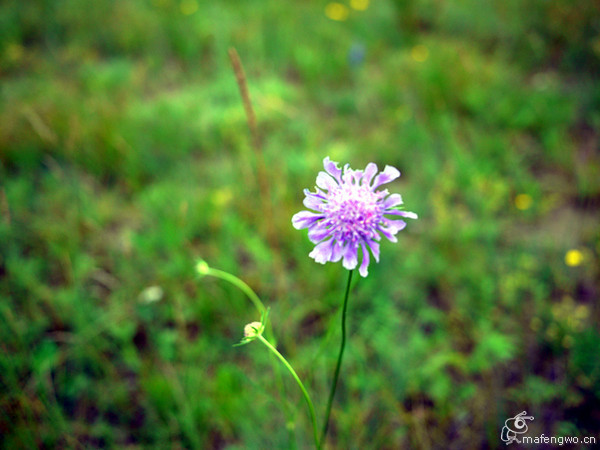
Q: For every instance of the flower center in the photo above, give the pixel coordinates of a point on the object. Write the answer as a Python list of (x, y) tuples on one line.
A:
[(353, 211)]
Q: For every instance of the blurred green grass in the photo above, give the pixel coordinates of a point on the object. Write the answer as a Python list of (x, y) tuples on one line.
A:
[(125, 155)]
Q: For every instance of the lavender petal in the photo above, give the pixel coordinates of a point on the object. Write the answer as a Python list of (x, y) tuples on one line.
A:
[(364, 267), (318, 193), (392, 200), (394, 225), (322, 252), (387, 233), (374, 246), (324, 181), (350, 257), (318, 232), (348, 174), (389, 174), (313, 201), (305, 219), (332, 168), (397, 212), (338, 251), (369, 173)]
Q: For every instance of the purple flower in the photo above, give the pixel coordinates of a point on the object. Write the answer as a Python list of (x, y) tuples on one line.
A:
[(350, 214)]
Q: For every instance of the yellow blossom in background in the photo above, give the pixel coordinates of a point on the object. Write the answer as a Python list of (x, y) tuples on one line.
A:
[(222, 197), (523, 201), (337, 11), (419, 53), (359, 5), (188, 7), (573, 258)]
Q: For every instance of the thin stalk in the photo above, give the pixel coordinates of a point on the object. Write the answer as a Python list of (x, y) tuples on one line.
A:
[(264, 206), (311, 408), (240, 285), (240, 76), (339, 362)]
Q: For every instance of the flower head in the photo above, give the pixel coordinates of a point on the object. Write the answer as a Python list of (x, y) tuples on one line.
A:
[(350, 214)]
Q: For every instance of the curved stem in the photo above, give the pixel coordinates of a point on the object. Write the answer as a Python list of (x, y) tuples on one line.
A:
[(311, 408), (339, 362), (240, 285)]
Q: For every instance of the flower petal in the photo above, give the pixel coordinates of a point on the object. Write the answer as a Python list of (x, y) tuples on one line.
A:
[(392, 200), (350, 257), (313, 201), (408, 215), (369, 173), (318, 232), (322, 252), (332, 168), (374, 246), (389, 174), (364, 267), (394, 225), (338, 250), (348, 174), (397, 212), (387, 233), (324, 181), (305, 219), (318, 193)]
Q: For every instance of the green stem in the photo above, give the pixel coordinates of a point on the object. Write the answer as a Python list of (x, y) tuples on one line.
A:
[(311, 408), (269, 330), (339, 362), (239, 284)]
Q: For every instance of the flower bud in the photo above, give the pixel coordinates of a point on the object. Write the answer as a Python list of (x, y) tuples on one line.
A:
[(202, 267), (253, 329)]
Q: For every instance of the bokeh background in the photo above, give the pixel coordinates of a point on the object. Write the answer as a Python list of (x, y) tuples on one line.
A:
[(125, 156)]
